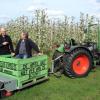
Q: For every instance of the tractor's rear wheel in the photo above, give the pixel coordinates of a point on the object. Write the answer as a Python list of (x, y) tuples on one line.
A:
[(78, 63)]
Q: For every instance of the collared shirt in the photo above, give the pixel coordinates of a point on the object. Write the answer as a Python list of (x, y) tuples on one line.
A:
[(22, 49)]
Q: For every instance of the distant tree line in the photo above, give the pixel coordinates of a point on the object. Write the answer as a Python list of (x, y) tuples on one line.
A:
[(47, 32)]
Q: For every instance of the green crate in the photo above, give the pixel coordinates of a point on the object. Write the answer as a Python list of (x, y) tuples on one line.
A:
[(25, 71)]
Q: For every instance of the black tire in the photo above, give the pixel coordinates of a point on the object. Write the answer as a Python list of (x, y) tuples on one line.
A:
[(70, 58), (57, 63), (2, 94)]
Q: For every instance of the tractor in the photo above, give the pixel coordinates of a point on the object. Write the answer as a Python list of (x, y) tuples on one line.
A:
[(77, 59)]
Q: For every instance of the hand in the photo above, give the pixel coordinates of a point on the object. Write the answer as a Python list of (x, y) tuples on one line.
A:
[(5, 43), (40, 54), (13, 54)]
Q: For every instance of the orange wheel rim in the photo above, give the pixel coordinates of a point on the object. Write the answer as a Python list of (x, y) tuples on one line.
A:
[(81, 64)]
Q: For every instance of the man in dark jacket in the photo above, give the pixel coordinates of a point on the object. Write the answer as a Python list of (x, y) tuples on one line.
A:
[(25, 46), (6, 46)]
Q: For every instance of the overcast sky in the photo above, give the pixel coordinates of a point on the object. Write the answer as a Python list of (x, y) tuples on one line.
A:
[(55, 8)]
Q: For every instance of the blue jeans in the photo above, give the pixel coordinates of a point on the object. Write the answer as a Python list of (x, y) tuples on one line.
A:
[(22, 56)]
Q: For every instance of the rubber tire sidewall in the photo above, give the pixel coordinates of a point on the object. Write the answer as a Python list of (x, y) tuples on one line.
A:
[(72, 57)]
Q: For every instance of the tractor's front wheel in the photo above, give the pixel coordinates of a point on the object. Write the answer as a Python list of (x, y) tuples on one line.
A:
[(78, 63)]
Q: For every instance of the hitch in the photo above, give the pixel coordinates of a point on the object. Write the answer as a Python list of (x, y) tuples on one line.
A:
[(52, 67)]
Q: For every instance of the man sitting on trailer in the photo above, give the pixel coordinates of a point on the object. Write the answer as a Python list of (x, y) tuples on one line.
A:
[(6, 46), (24, 47)]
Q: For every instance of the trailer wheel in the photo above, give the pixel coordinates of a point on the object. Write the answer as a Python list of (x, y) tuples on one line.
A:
[(57, 63), (78, 63), (8, 93), (4, 93)]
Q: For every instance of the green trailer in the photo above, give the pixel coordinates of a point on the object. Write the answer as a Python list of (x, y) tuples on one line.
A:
[(16, 74)]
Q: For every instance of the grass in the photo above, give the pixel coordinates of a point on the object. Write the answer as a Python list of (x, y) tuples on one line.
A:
[(63, 88)]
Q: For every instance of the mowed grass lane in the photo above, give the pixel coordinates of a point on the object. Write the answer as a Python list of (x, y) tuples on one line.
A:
[(63, 88)]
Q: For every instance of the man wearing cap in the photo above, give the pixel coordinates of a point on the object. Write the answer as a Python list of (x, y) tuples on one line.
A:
[(25, 46), (6, 46)]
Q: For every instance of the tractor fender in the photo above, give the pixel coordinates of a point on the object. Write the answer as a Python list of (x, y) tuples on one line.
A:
[(60, 48), (78, 47)]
